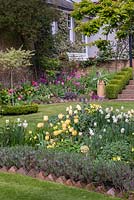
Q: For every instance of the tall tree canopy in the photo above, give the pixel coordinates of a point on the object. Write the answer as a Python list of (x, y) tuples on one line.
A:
[(110, 14), (30, 20)]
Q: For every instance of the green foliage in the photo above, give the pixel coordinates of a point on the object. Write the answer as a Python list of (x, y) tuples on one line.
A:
[(24, 17), (12, 58), (119, 150), (13, 133), (112, 91), (31, 22), (50, 63), (19, 110), (108, 14), (119, 81), (62, 42)]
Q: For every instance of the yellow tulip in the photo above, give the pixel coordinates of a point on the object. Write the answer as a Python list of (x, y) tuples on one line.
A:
[(74, 133), (40, 125), (35, 137), (30, 132), (70, 112), (45, 118), (60, 116), (64, 125), (78, 107), (71, 129), (47, 137), (64, 128), (67, 121), (76, 121), (84, 149), (55, 133)]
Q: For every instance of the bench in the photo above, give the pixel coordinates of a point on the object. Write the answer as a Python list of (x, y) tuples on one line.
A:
[(77, 56)]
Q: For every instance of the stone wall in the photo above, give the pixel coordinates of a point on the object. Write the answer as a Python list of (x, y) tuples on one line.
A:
[(112, 66), (19, 76)]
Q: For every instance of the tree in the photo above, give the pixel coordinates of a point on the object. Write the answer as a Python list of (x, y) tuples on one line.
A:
[(12, 59), (110, 15), (31, 21)]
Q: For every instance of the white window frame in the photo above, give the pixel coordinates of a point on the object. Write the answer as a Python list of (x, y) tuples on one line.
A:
[(54, 26)]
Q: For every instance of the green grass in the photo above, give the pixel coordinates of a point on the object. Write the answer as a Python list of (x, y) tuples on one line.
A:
[(52, 109), (17, 187)]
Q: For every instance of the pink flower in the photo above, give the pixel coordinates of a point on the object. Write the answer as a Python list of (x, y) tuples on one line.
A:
[(10, 91), (68, 78), (76, 83), (34, 83), (19, 97)]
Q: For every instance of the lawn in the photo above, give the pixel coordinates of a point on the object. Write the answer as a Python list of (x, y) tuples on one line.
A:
[(17, 187), (52, 109)]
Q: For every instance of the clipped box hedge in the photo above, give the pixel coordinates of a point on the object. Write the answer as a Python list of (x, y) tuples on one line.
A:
[(119, 81), (19, 110), (112, 91)]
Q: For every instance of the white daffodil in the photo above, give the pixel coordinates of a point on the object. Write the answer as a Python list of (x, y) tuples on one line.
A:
[(78, 107), (122, 130), (95, 124), (104, 130), (7, 121), (25, 124), (107, 116)]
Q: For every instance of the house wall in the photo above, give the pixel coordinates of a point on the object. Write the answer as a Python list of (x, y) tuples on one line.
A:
[(91, 51)]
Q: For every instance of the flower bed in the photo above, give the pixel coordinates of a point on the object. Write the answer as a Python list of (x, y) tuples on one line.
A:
[(66, 86), (87, 144)]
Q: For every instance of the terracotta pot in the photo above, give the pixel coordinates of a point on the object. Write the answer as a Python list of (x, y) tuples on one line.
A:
[(101, 88)]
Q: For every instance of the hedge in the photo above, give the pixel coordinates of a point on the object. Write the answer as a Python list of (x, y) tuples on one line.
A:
[(19, 110), (119, 81)]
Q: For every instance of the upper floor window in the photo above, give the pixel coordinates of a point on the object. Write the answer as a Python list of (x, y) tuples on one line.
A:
[(69, 21)]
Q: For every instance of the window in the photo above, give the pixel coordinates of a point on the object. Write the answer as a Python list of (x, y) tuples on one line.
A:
[(69, 21), (54, 27)]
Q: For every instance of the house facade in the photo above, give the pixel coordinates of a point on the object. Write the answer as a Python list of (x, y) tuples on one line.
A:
[(88, 51)]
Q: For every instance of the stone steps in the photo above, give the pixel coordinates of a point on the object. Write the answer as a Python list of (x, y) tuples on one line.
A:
[(128, 93)]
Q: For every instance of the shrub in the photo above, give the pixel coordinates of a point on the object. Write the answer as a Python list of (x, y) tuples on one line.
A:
[(122, 78), (71, 165), (19, 110), (112, 91), (117, 82), (114, 174)]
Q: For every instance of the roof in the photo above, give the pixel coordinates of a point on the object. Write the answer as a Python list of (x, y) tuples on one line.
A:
[(62, 4)]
